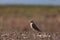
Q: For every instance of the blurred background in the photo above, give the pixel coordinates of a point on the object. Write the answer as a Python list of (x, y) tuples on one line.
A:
[(16, 14)]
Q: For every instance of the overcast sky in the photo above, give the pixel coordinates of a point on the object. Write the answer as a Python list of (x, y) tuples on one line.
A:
[(54, 2)]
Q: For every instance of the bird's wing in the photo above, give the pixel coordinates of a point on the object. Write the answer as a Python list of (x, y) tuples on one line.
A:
[(36, 28)]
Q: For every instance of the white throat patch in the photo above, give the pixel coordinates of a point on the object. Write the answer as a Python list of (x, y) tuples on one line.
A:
[(31, 25)]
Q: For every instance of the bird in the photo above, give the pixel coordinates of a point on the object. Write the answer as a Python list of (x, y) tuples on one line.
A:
[(39, 32), (34, 26)]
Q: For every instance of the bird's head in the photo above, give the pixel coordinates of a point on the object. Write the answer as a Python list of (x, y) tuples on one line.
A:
[(31, 21)]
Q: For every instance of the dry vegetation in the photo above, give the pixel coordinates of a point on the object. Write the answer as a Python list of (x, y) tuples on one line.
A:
[(14, 21)]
